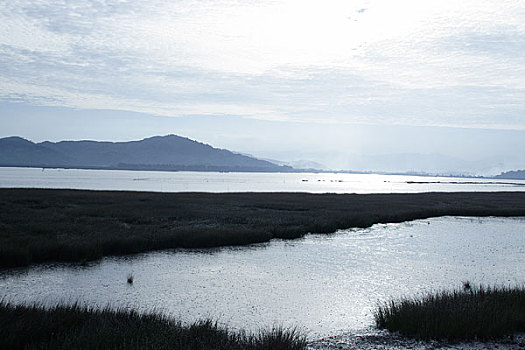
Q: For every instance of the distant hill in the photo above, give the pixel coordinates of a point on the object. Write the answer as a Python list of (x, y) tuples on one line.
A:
[(514, 175), (156, 153)]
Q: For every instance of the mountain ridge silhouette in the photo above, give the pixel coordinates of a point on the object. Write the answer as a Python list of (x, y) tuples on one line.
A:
[(170, 152)]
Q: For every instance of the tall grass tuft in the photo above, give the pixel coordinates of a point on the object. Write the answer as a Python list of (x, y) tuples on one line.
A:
[(78, 327), (471, 313)]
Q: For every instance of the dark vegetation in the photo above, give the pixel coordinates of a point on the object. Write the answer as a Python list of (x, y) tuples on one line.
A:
[(75, 327), (38, 225), (472, 313)]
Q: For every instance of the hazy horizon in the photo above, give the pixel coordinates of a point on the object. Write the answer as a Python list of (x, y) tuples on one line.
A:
[(434, 87)]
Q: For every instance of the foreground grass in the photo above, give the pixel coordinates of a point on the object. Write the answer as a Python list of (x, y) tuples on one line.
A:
[(38, 225), (74, 327), (473, 313)]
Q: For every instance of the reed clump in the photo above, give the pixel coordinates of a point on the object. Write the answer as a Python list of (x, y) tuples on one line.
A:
[(78, 327), (470, 313)]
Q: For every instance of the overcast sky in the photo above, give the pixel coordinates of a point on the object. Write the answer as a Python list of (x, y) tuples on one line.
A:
[(378, 71)]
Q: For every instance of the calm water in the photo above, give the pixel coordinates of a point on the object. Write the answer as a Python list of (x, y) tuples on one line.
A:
[(244, 182), (326, 284)]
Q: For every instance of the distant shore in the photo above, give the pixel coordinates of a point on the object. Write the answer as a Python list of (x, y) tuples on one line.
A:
[(509, 175), (43, 225)]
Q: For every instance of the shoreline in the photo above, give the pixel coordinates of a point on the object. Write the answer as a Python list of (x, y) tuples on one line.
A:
[(82, 327), (53, 225), (281, 171), (373, 339), (62, 326)]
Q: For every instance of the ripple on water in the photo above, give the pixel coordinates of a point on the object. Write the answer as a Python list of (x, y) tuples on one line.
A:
[(326, 285)]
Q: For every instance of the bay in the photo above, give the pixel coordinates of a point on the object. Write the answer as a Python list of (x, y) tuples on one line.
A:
[(157, 181)]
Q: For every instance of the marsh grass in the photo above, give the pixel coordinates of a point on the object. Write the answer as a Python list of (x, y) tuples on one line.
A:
[(471, 313), (40, 225), (77, 327)]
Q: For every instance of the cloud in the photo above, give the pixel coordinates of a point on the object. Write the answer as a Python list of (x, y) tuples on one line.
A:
[(441, 63)]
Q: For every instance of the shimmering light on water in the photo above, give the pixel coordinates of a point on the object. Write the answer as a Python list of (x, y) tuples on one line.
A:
[(244, 182), (325, 284)]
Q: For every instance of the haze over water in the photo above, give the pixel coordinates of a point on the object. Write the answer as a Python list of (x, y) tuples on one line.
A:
[(401, 86), (433, 86), (245, 182)]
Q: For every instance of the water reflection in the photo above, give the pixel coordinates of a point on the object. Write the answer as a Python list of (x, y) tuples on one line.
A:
[(325, 284), (245, 182)]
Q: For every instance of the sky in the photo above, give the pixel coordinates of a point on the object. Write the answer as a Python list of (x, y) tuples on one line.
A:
[(389, 85)]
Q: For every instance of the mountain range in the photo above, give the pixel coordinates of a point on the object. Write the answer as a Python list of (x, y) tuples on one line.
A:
[(169, 152), (512, 175)]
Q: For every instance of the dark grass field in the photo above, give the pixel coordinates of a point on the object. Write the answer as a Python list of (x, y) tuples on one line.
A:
[(75, 327), (481, 313), (38, 225)]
